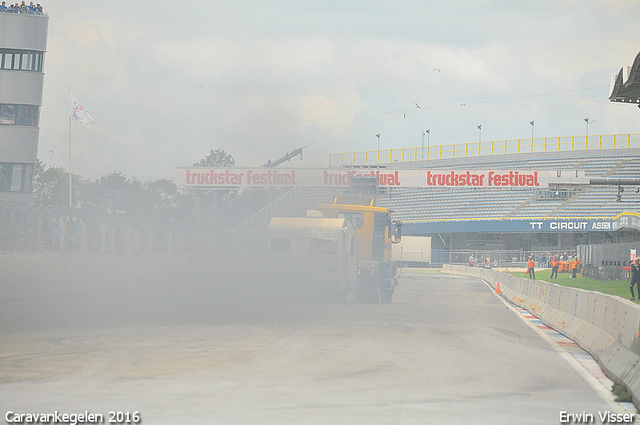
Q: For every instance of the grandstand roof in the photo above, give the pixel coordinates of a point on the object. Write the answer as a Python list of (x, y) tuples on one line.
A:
[(625, 86)]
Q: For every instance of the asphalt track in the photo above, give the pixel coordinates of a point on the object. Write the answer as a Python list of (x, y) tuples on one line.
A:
[(445, 351)]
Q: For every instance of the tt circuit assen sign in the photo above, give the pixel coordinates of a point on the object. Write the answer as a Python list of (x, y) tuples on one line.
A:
[(626, 220), (324, 177)]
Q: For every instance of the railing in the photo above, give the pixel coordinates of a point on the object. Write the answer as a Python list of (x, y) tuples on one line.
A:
[(266, 211), (23, 12), (498, 147)]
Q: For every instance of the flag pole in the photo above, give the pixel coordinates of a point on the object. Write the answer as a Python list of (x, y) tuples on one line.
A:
[(82, 115), (70, 190)]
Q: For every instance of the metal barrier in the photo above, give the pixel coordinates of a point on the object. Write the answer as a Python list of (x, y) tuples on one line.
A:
[(35, 229), (497, 147), (515, 258), (618, 254)]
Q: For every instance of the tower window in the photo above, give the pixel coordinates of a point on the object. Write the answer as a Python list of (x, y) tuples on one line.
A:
[(16, 177), (22, 60), (19, 115)]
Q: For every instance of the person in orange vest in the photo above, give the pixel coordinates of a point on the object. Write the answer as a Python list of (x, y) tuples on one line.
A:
[(555, 264), (574, 264), (531, 264)]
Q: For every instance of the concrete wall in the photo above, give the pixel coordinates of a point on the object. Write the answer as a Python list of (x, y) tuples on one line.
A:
[(606, 326), (20, 31)]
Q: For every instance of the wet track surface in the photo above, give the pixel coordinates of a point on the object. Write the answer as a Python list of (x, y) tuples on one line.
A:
[(446, 350)]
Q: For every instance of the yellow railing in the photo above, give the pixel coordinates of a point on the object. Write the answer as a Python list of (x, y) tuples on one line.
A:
[(498, 147)]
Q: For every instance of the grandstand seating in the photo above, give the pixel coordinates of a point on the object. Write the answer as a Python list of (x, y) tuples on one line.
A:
[(458, 203), (292, 203), (435, 204)]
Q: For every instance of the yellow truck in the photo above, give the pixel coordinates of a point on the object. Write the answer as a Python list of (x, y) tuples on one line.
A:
[(375, 234)]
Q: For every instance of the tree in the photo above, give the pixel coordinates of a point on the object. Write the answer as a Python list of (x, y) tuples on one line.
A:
[(168, 200), (51, 185), (215, 202), (217, 158), (112, 193), (152, 200), (115, 193)]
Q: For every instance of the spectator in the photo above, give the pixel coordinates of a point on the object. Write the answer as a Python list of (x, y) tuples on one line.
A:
[(531, 268), (31, 9), (487, 263), (471, 263)]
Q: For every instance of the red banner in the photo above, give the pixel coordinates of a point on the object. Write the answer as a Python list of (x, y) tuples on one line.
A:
[(332, 177)]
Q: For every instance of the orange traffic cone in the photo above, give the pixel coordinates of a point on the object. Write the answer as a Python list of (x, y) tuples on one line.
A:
[(498, 291)]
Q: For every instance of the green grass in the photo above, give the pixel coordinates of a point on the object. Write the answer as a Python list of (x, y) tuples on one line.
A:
[(622, 393), (612, 287)]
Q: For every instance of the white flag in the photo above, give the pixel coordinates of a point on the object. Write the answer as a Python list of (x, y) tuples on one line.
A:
[(78, 112)]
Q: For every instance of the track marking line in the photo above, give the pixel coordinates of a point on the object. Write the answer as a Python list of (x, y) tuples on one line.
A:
[(579, 359)]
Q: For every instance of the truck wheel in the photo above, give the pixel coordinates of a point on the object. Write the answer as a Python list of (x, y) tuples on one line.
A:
[(386, 295), (361, 294), (342, 297), (374, 294)]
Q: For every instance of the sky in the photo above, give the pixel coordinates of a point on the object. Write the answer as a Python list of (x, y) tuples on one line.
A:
[(168, 81)]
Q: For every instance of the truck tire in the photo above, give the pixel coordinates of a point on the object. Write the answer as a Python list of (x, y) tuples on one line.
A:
[(374, 293), (361, 294), (341, 297), (386, 295)]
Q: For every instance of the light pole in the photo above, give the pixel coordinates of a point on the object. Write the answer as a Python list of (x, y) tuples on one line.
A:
[(428, 133), (479, 133), (378, 136), (533, 124), (587, 125)]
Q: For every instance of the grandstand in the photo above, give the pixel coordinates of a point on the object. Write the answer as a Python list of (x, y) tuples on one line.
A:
[(414, 205), (452, 215)]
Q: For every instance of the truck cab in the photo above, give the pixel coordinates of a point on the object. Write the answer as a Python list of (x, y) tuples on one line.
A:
[(375, 233)]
